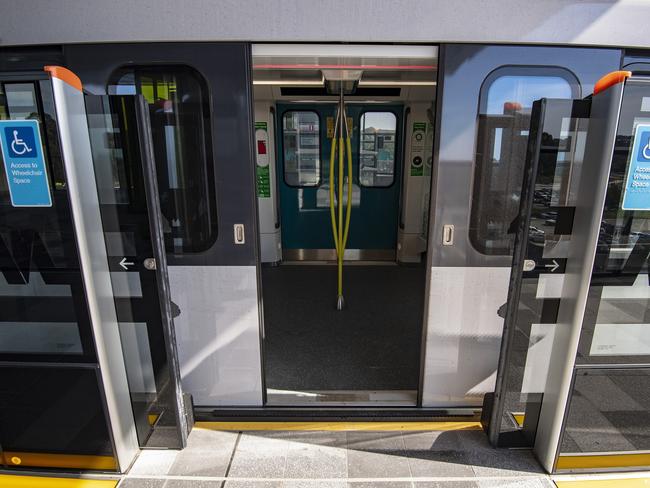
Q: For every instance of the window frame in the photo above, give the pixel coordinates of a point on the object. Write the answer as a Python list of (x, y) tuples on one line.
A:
[(395, 148), (520, 71), (320, 148)]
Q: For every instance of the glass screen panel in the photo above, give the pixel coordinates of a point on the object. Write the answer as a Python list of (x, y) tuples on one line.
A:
[(44, 314), (609, 412), (301, 148), (378, 132), (555, 156), (121, 172), (53, 417), (616, 327)]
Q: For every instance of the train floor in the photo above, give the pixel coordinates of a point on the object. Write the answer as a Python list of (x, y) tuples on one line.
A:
[(371, 345)]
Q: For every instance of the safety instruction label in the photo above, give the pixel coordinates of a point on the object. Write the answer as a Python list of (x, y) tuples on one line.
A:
[(263, 171), (331, 125), (636, 195), (22, 153)]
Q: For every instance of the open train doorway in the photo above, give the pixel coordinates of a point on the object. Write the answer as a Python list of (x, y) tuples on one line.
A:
[(344, 141)]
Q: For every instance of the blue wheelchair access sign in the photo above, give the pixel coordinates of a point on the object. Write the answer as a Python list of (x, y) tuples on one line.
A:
[(22, 153)]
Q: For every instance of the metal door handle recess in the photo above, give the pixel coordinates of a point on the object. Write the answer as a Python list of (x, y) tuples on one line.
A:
[(240, 237), (150, 264), (448, 235), (529, 264)]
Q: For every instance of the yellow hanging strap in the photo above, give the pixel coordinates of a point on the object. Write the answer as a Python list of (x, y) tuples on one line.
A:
[(335, 233), (341, 249), (348, 210), (340, 227)]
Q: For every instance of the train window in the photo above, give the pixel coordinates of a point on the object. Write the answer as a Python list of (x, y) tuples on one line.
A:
[(301, 148), (180, 125), (505, 102), (378, 132)]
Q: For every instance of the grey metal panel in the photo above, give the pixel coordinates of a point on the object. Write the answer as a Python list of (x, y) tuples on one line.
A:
[(218, 333), (582, 250), (553, 21), (226, 69), (462, 334), (84, 203), (456, 291)]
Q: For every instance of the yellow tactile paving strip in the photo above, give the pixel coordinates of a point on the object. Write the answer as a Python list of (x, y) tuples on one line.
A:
[(16, 481), (340, 426)]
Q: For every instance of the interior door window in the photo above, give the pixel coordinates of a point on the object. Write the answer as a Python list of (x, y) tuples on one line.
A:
[(301, 148), (378, 133)]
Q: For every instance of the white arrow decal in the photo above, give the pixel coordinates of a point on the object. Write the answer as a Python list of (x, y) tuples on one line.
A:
[(553, 266), (124, 263)]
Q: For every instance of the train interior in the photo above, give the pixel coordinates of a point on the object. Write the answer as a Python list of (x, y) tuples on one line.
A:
[(360, 344)]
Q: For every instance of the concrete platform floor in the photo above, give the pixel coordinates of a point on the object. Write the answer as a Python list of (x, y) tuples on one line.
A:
[(395, 459)]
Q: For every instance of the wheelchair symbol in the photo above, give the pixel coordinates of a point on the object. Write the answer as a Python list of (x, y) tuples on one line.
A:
[(646, 150), (20, 147)]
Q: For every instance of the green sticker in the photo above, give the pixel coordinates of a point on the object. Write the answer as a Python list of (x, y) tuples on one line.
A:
[(260, 125), (419, 126), (263, 182)]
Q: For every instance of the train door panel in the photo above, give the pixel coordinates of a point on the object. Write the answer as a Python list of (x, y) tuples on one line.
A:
[(482, 122), (304, 143), (200, 108)]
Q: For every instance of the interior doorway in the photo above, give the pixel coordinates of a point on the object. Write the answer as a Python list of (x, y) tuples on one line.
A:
[(368, 353)]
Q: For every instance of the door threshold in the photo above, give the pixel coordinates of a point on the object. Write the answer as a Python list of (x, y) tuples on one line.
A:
[(350, 255), (341, 398), (334, 263), (336, 414)]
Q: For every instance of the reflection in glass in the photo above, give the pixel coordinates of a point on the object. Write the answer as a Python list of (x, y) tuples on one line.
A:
[(54, 419), (377, 149), (503, 123), (608, 412), (301, 146)]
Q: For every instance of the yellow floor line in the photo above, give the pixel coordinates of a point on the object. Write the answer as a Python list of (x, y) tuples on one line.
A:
[(16, 481), (65, 461), (339, 426), (519, 418), (599, 461), (605, 483)]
